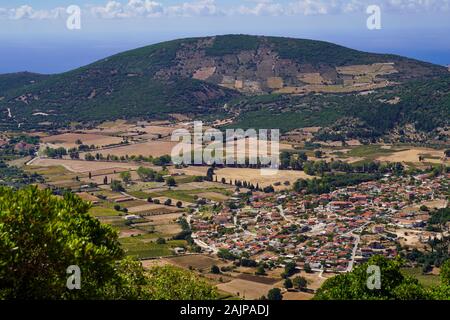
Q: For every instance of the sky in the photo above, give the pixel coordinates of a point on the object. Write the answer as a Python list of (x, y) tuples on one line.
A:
[(34, 35)]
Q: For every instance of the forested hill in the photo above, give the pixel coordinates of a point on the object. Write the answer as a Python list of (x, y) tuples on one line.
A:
[(204, 76)]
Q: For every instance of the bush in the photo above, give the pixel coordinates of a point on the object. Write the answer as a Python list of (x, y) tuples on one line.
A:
[(161, 241), (299, 283), (59, 232), (171, 182), (274, 294), (116, 186), (215, 269), (288, 283)]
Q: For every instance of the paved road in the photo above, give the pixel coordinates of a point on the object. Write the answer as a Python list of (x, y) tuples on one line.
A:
[(129, 195), (355, 248), (203, 245), (29, 163), (280, 207), (199, 242)]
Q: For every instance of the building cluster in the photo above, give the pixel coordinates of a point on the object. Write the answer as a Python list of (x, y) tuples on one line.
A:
[(330, 232)]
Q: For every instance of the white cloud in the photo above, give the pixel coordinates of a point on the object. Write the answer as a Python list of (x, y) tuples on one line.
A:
[(3, 13), (261, 8), (134, 8), (116, 9), (417, 5), (309, 7), (196, 8), (27, 12)]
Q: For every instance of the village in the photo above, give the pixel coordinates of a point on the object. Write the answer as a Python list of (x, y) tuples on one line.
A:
[(231, 225), (330, 232)]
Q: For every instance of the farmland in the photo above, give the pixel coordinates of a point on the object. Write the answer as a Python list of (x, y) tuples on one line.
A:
[(69, 140), (171, 214), (256, 176)]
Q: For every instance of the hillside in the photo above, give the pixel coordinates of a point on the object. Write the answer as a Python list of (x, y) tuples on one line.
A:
[(18, 80), (423, 106), (198, 76)]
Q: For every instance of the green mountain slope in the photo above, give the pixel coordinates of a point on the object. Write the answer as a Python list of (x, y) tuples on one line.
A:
[(18, 80), (424, 104), (199, 76)]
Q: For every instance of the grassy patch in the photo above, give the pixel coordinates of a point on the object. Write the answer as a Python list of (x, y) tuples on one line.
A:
[(144, 185), (187, 195), (141, 247), (427, 280), (103, 212), (138, 194), (371, 152), (184, 179)]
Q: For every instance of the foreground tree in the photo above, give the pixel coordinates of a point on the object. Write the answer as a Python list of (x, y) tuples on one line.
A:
[(42, 235), (116, 186), (354, 285), (274, 294), (125, 176), (300, 283), (288, 283)]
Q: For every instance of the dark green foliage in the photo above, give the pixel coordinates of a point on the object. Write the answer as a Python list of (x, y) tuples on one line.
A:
[(18, 80), (15, 177), (121, 86), (440, 217), (288, 283), (51, 234), (426, 104), (215, 269), (438, 255), (248, 263), (325, 53), (260, 271), (232, 44), (116, 186), (226, 254), (269, 189), (186, 232), (274, 294), (129, 85), (289, 269), (353, 286), (340, 174), (55, 153), (170, 181), (146, 174), (332, 181), (300, 283), (9, 151), (445, 273), (42, 235), (161, 241), (209, 174)]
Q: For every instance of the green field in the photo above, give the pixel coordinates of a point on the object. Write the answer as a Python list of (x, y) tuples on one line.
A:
[(186, 195), (371, 151), (143, 247), (103, 212), (427, 280)]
